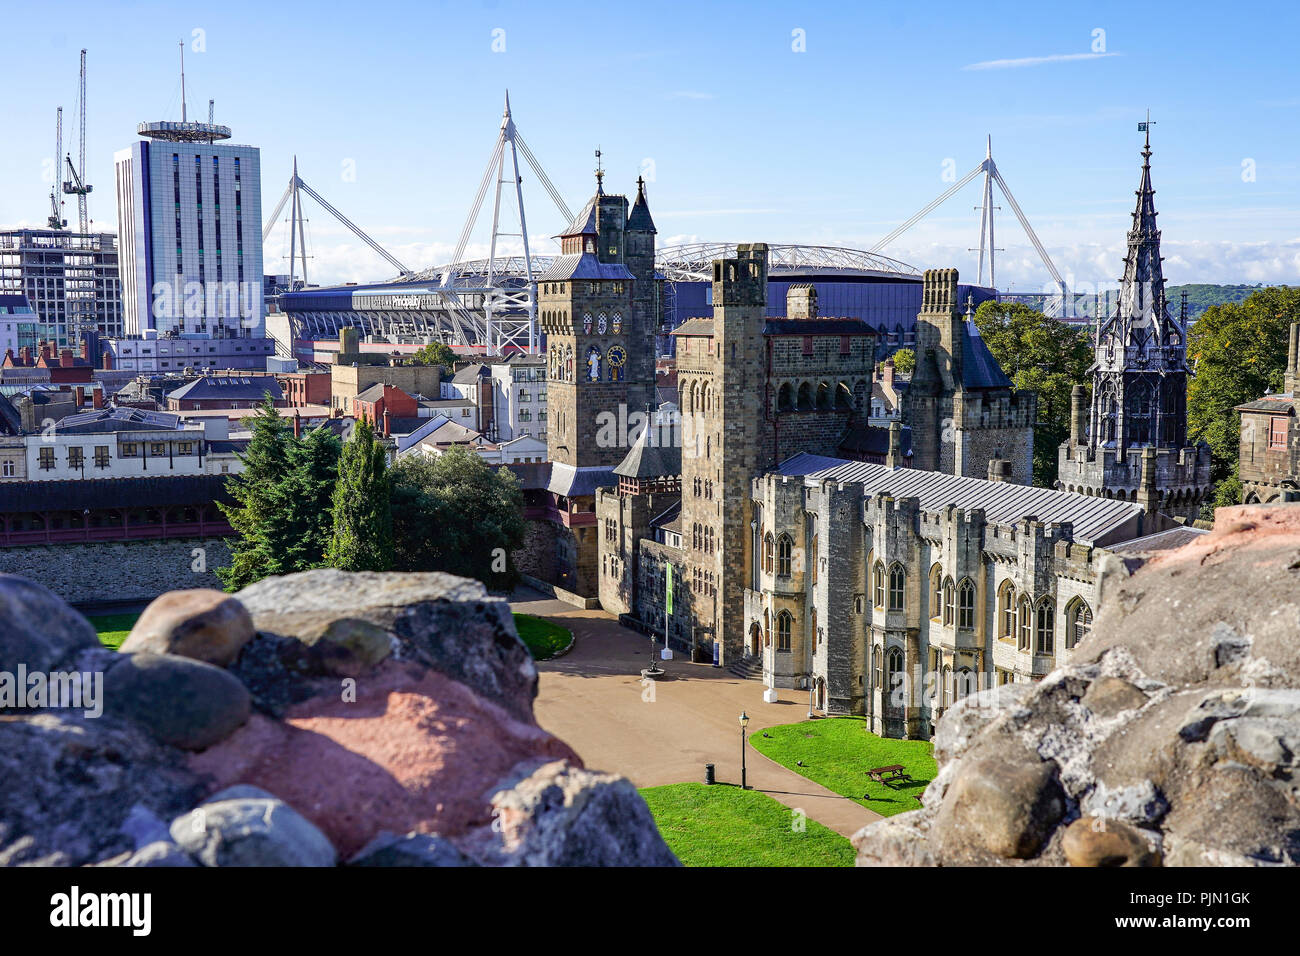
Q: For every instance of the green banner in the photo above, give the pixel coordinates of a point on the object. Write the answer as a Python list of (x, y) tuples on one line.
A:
[(668, 591)]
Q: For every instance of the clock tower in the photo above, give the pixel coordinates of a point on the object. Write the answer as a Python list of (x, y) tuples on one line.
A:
[(598, 308)]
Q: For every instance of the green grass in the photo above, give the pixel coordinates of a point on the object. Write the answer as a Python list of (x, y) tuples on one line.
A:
[(543, 638), (837, 752), (113, 628), (725, 826)]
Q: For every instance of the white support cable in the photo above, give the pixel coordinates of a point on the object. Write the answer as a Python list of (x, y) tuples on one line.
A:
[(1033, 237), (545, 180), (275, 215), (930, 207), (355, 229)]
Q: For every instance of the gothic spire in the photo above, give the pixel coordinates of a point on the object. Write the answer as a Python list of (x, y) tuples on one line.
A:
[(639, 219)]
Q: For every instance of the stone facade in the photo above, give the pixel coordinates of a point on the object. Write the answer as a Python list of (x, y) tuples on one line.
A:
[(1132, 443), (962, 409), (1270, 438), (119, 571), (880, 606)]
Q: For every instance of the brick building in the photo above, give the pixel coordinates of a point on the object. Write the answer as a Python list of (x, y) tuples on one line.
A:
[(1270, 438)]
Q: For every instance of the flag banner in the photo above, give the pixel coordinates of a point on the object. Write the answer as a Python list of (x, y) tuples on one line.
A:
[(668, 591)]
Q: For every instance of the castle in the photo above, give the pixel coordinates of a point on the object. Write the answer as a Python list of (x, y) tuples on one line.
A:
[(1131, 443)]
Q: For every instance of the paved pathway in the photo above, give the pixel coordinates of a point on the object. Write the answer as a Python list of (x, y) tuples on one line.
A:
[(593, 698)]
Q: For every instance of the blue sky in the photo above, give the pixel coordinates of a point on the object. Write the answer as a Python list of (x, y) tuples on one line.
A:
[(747, 138)]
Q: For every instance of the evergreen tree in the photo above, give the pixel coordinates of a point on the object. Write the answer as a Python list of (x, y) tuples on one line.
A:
[(309, 498), (257, 514), (363, 519)]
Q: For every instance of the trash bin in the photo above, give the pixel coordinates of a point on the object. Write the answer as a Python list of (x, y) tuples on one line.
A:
[(708, 774)]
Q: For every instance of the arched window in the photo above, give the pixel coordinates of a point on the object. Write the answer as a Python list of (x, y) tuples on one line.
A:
[(783, 623), (768, 547), (876, 667), (814, 559), (1006, 610), (812, 631), (897, 583), (936, 592), (949, 602), (767, 628), (945, 696), (1045, 627), (823, 395), (805, 396), (878, 585), (785, 398), (894, 669), (966, 604), (784, 545), (1078, 618), (1026, 624)]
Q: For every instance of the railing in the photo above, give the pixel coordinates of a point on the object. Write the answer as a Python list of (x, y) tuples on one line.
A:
[(133, 532)]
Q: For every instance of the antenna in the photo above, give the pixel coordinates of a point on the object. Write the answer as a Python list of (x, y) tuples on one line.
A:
[(182, 46)]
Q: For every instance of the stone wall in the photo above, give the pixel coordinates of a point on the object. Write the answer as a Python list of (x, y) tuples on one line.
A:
[(119, 570)]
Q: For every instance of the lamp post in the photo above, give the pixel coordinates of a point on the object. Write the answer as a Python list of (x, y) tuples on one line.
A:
[(744, 722)]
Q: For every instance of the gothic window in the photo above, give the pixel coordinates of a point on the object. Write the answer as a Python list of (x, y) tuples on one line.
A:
[(949, 602), (805, 396), (878, 585), (1139, 414), (897, 583), (936, 592), (814, 559), (894, 667), (784, 547), (1107, 412), (966, 604), (1024, 640), (812, 629), (783, 622), (843, 397), (1078, 622), (767, 628), (1045, 627), (768, 547), (823, 395), (784, 398), (1006, 610), (876, 667)]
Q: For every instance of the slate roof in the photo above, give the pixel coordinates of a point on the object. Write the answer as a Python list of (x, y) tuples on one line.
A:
[(470, 374), (104, 420), (1160, 541), (1004, 503), (670, 519), (831, 325), (1280, 404), (874, 440), (577, 482), (646, 460), (584, 224), (584, 265), (639, 219), (979, 369), (228, 388)]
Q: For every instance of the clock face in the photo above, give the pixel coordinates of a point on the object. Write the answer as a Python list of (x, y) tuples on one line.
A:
[(617, 355)]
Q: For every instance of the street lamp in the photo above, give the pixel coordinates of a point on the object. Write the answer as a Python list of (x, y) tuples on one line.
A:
[(744, 722)]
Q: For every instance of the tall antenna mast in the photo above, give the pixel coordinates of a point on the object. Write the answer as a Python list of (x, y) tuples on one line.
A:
[(182, 46)]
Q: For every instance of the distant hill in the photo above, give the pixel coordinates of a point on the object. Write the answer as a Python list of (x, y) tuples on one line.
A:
[(1200, 296)]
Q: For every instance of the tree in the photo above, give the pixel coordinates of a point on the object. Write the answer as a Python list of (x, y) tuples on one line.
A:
[(904, 361), (1042, 355), (363, 521), (309, 498), (435, 353), (454, 513), (282, 501), (257, 514), (1238, 352)]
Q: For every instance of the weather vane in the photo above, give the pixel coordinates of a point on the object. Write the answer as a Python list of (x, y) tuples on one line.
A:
[(600, 172)]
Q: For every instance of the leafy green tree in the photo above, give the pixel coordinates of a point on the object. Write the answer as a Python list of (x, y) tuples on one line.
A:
[(904, 361), (1042, 355), (363, 519), (257, 514), (1238, 352), (454, 513), (435, 353)]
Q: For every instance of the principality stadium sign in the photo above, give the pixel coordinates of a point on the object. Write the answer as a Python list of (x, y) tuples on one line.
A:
[(396, 301)]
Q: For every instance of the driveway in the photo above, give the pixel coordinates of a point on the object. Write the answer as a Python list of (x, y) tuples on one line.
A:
[(664, 732)]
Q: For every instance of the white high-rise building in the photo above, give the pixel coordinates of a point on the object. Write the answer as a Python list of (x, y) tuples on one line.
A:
[(189, 212)]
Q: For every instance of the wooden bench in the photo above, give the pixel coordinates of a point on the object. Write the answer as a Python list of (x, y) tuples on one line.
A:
[(894, 773)]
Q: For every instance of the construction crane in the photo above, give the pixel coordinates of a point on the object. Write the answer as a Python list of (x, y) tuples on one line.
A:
[(76, 185), (56, 220)]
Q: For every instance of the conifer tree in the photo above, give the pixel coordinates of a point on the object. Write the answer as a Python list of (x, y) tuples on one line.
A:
[(363, 519), (258, 514)]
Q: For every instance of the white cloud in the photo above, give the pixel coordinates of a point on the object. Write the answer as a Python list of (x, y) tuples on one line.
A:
[(1035, 61)]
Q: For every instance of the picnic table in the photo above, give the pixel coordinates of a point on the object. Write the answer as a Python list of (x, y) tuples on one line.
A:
[(894, 773)]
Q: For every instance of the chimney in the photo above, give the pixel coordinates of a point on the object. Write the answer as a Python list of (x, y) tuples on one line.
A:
[(1078, 414), (65, 358), (1148, 494), (387, 423), (999, 469), (894, 457), (97, 397), (297, 424), (27, 414), (887, 373), (801, 301), (47, 351), (1292, 379), (107, 360), (85, 349), (80, 393), (25, 353)]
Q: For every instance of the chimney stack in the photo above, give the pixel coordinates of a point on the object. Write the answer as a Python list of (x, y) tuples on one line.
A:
[(387, 423), (80, 393), (297, 424), (65, 358), (999, 469), (1292, 380), (1078, 414), (1148, 494), (894, 457), (97, 397), (85, 349), (27, 414), (107, 364)]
